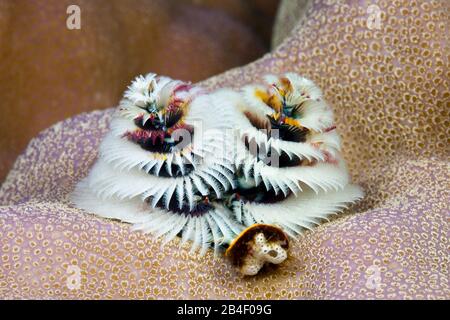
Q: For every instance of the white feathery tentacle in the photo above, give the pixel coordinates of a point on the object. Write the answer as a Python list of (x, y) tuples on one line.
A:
[(301, 212)]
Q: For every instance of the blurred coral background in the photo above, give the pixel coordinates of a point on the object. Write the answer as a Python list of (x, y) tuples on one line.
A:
[(48, 72)]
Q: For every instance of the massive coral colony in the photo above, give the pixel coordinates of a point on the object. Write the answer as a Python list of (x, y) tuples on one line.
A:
[(240, 171)]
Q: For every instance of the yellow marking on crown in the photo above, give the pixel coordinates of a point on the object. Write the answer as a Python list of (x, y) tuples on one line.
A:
[(262, 94), (159, 156), (287, 86), (269, 99), (275, 103), (286, 120), (292, 122)]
